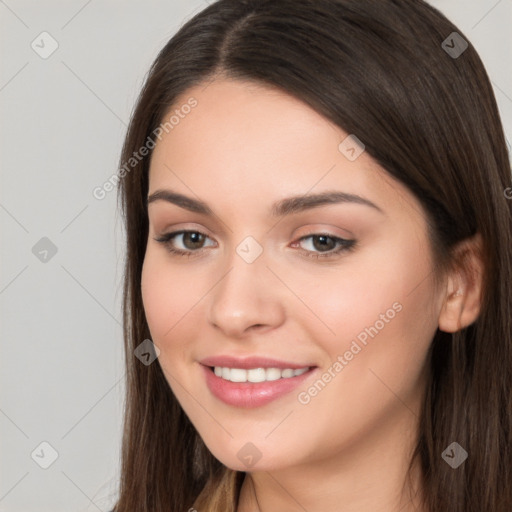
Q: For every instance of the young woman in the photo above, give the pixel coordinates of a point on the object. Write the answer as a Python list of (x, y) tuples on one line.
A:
[(317, 205)]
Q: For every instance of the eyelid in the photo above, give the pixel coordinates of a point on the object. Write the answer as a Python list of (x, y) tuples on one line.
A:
[(176, 227), (327, 229), (314, 231), (344, 245)]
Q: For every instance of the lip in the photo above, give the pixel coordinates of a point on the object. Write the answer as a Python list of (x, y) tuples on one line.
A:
[(246, 363), (248, 394)]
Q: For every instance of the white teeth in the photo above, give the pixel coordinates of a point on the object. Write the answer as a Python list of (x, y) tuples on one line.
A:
[(237, 375), (273, 373), (256, 374)]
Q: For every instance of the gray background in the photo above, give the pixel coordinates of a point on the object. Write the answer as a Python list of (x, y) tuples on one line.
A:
[(63, 122)]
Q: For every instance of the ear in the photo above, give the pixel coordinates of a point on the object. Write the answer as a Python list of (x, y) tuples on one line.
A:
[(462, 301)]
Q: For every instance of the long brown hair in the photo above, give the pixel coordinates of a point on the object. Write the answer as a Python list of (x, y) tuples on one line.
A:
[(378, 69)]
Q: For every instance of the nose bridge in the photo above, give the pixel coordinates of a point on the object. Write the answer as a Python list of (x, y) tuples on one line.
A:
[(244, 297)]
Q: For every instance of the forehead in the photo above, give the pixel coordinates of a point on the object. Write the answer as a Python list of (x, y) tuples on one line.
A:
[(244, 141)]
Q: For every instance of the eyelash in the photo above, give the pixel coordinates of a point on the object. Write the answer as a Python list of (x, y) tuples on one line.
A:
[(345, 245)]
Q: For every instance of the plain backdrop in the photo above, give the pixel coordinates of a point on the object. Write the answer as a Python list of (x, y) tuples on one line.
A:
[(63, 118)]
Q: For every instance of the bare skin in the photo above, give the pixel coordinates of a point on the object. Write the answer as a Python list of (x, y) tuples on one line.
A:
[(347, 446)]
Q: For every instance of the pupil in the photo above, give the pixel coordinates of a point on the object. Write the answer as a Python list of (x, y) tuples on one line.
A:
[(196, 239), (323, 245)]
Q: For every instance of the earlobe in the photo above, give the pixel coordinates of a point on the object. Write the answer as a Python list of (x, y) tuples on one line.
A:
[(462, 302)]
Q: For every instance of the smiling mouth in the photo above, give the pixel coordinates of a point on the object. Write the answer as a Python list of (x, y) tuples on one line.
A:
[(256, 386), (255, 375)]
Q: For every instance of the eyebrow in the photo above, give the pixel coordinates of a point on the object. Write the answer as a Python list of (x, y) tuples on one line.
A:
[(280, 208)]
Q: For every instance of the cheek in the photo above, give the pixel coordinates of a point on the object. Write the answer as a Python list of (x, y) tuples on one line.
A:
[(166, 297), (376, 309), (382, 332), (173, 300), (155, 297), (341, 301)]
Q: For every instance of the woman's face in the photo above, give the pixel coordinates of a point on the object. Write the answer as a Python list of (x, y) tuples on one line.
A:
[(343, 288)]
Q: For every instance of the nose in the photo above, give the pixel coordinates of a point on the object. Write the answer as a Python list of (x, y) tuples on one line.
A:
[(248, 298)]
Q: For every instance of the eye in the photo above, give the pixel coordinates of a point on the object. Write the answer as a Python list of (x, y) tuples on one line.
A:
[(192, 241), (193, 244), (327, 245)]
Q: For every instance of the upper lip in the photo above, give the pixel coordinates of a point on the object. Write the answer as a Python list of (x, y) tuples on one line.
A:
[(250, 362)]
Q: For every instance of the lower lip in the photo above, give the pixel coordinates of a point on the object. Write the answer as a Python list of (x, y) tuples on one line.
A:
[(249, 394)]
